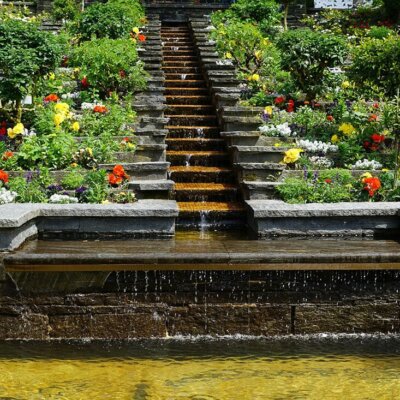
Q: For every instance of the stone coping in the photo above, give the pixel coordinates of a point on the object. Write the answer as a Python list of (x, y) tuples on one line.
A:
[(280, 209), (16, 215)]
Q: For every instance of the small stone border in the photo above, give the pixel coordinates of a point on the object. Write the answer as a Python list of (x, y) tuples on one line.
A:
[(272, 218), (145, 218)]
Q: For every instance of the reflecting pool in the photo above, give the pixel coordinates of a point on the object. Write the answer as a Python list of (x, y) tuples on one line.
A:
[(362, 367)]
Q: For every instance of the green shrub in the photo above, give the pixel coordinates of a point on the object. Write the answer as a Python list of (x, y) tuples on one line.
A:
[(264, 12), (246, 45), (74, 178), (379, 32), (97, 190), (330, 186), (27, 55), (377, 62), (132, 8), (307, 55), (104, 20), (110, 65), (65, 9)]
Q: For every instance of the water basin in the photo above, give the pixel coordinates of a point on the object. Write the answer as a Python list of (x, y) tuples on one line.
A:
[(348, 367)]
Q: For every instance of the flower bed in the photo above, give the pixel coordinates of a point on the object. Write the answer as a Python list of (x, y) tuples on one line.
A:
[(67, 107), (329, 93)]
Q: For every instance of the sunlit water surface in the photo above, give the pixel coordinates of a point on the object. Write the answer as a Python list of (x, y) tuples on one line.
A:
[(311, 368)]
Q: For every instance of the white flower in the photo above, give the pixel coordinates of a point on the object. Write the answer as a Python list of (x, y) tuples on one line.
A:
[(277, 130), (73, 95), (316, 146), (367, 165), (62, 199), (6, 196), (322, 162)]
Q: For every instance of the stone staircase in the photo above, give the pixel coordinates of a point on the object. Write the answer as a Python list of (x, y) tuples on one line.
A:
[(200, 163)]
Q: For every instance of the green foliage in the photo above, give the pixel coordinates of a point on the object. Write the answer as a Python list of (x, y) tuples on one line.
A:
[(307, 55), (74, 178), (330, 186), (132, 8), (379, 32), (27, 55), (246, 45), (97, 187), (53, 151), (264, 12), (377, 62), (103, 147), (110, 65), (65, 9), (109, 20)]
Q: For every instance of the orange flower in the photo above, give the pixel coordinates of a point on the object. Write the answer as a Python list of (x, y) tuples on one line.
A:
[(3, 176), (100, 109), (51, 98), (114, 180), (373, 118), (142, 38), (120, 172), (372, 185), (7, 155), (330, 118)]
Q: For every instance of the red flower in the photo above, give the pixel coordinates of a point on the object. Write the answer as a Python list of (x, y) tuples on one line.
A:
[(100, 109), (375, 105), (122, 73), (328, 180), (64, 61), (3, 131), (366, 144), (330, 118), (51, 98), (373, 118), (290, 107), (120, 172), (7, 155), (114, 180), (280, 100), (372, 185), (85, 82), (3, 176), (377, 138), (142, 38)]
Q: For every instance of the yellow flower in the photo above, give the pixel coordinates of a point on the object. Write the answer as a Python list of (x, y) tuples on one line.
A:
[(346, 85), (277, 145), (75, 126), (130, 146), (136, 30), (74, 165), (291, 156), (347, 129), (58, 119), (62, 108), (105, 202), (254, 77), (228, 55), (335, 139), (17, 130), (258, 54), (365, 176), (89, 151), (52, 76), (266, 42), (268, 110), (385, 170)]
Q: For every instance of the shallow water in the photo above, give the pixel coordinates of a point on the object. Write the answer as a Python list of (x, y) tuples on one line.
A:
[(313, 368)]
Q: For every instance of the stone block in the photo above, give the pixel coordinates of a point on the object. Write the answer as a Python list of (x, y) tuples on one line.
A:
[(24, 326)]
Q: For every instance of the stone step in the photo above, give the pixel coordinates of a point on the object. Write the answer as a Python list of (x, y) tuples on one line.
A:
[(260, 190), (217, 208), (182, 109), (189, 100), (205, 192), (183, 77), (261, 172), (176, 131), (180, 58), (198, 158), (195, 174), (192, 120), (190, 144), (186, 91), (257, 154), (184, 83), (181, 70)]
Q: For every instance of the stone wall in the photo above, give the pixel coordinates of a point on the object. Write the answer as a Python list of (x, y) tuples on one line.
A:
[(168, 303)]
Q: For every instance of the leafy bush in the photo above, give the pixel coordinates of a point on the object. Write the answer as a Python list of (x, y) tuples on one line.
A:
[(246, 45), (132, 8), (97, 187), (65, 10), (109, 20), (377, 62), (379, 32), (264, 12), (330, 186), (75, 178), (110, 65), (307, 55), (27, 55)]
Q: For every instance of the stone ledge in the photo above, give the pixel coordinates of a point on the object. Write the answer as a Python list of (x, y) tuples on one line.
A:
[(280, 209)]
